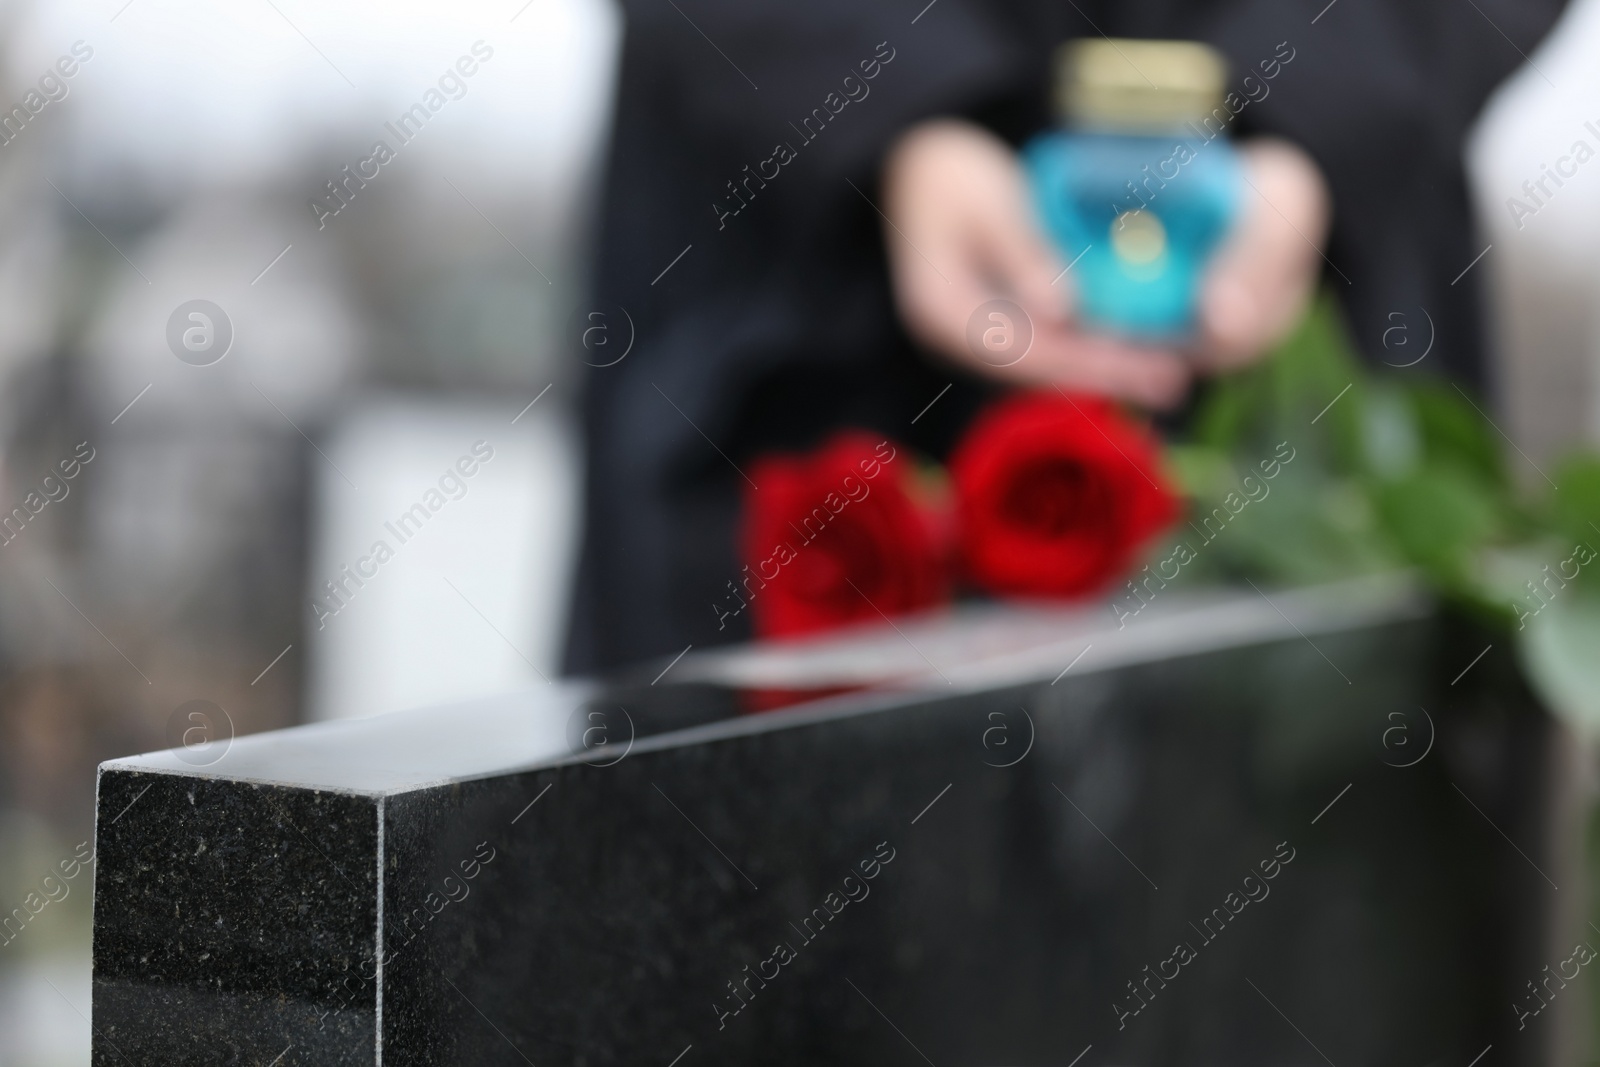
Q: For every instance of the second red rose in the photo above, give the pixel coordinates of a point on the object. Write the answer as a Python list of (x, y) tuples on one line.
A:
[(839, 536), (1055, 495)]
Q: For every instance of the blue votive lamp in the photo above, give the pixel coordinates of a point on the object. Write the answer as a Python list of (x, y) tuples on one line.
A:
[(1139, 185)]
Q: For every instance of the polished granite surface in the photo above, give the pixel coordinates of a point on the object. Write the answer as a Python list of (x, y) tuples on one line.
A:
[(967, 652), (1024, 837)]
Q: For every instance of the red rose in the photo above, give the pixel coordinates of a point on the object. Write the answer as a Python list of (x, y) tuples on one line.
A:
[(837, 537), (1055, 495)]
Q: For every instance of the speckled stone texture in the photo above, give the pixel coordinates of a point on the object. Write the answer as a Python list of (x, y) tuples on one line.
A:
[(227, 912), (872, 879)]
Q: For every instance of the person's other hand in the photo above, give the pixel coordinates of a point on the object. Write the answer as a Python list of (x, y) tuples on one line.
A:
[(962, 231), (1256, 288)]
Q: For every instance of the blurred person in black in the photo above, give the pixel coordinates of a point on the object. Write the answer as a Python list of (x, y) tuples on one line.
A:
[(770, 309)]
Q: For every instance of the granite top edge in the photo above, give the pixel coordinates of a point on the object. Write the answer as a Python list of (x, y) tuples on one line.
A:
[(1241, 621), (1232, 619)]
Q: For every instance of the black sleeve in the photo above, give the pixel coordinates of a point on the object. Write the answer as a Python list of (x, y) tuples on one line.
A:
[(739, 76), (741, 126), (1382, 94)]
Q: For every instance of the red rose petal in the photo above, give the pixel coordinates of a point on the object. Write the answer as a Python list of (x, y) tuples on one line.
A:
[(838, 536), (1056, 495)]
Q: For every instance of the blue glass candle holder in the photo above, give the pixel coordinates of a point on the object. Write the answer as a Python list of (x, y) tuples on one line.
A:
[(1137, 193), (1139, 240)]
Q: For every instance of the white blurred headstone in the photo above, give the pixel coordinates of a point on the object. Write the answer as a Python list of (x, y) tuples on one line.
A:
[(472, 595), (1534, 164)]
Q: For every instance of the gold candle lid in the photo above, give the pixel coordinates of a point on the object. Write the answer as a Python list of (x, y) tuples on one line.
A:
[(1137, 85)]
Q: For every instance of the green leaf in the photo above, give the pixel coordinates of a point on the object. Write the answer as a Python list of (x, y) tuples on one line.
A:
[(1391, 470), (1576, 505), (1229, 410), (1439, 518), (1305, 532), (1201, 473), (1391, 437), (1557, 649), (1313, 374), (1455, 434)]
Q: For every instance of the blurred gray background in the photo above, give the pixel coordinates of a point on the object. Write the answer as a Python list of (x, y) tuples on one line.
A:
[(179, 161)]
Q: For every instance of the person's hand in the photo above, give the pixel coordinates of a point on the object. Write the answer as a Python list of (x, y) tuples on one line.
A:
[(962, 231), (1256, 288)]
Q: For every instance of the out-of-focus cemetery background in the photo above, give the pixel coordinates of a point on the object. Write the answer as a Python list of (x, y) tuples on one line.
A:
[(368, 356), (372, 349)]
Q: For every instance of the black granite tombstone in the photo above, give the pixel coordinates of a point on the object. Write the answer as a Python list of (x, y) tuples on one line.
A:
[(1242, 830)]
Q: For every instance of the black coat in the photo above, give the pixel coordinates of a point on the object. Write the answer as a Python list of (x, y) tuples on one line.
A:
[(759, 298)]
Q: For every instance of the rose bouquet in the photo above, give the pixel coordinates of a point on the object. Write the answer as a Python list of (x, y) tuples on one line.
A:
[(1305, 468), (1048, 495)]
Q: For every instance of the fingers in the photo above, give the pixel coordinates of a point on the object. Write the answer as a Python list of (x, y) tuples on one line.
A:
[(961, 234), (936, 279), (1013, 247), (1027, 265), (1149, 377), (1259, 283), (934, 303), (1057, 352)]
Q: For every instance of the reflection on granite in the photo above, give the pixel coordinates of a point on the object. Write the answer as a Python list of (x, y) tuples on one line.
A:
[(1166, 852)]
